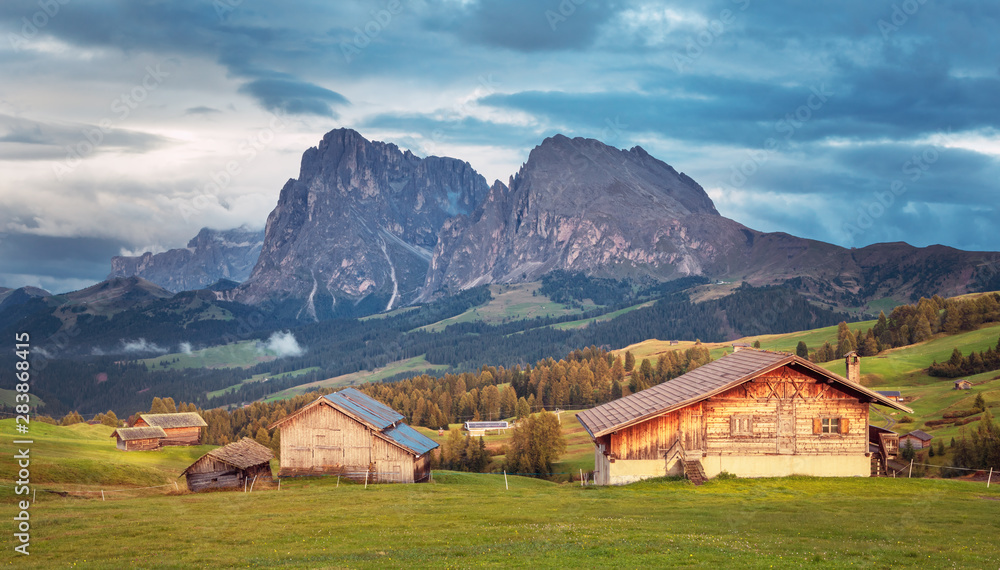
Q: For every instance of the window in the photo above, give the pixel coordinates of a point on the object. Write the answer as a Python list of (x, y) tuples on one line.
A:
[(741, 425), (831, 425)]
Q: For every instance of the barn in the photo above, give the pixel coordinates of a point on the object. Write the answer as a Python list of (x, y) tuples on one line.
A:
[(231, 466), (139, 438), (181, 428), (752, 413), (350, 434)]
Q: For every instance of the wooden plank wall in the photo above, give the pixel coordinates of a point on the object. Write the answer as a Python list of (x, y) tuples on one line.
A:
[(647, 440), (138, 444), (182, 436)]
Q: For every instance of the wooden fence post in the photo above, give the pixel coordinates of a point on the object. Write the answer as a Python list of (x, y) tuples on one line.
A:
[(366, 479), (506, 486), (911, 470), (102, 495), (252, 482), (990, 478)]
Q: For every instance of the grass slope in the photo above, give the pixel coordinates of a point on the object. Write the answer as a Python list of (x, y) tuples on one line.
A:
[(509, 303), (415, 365), (235, 355)]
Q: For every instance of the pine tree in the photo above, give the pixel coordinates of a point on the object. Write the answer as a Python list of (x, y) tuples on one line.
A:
[(616, 390), (158, 407), (979, 405), (523, 409), (629, 361), (802, 350), (756, 344)]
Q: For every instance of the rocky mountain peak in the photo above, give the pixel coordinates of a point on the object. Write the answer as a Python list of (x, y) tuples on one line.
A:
[(355, 231)]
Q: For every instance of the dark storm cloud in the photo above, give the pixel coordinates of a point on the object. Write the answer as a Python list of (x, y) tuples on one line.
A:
[(57, 257), (294, 97)]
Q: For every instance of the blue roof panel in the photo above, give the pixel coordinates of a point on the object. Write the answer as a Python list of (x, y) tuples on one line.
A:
[(410, 438), (365, 409)]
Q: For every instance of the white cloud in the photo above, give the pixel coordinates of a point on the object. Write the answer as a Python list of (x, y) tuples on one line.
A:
[(284, 344), (185, 347), (141, 345)]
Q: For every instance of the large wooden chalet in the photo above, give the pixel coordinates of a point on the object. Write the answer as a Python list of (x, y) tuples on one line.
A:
[(350, 434), (182, 428), (752, 413)]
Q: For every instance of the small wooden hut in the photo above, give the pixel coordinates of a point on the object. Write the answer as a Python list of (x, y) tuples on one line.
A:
[(231, 466), (919, 439), (963, 384), (139, 438), (181, 428)]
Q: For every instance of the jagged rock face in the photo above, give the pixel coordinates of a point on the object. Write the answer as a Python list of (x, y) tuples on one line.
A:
[(581, 205), (212, 255), (358, 226)]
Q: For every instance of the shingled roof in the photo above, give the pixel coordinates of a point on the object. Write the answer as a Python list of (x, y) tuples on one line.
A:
[(702, 383), (241, 455), (178, 420), (142, 432)]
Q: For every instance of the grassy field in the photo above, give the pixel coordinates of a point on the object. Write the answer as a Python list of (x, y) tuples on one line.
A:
[(415, 365), (465, 520), (8, 398), (510, 302), (605, 317)]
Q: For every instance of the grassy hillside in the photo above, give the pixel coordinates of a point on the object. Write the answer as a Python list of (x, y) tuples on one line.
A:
[(415, 365), (510, 303), (235, 355)]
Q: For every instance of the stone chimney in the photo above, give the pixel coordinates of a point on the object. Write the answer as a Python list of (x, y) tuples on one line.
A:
[(853, 362)]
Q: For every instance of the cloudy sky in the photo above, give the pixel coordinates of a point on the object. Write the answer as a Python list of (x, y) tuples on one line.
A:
[(127, 125)]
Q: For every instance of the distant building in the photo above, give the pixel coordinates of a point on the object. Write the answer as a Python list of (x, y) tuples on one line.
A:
[(181, 428), (481, 428), (918, 438), (231, 467), (963, 385), (752, 413), (893, 395), (139, 438), (350, 434)]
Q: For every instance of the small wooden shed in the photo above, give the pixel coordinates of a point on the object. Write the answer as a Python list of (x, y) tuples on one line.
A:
[(963, 385), (181, 428), (919, 439), (139, 438), (231, 466)]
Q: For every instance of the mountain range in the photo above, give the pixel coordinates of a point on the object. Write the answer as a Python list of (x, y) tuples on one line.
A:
[(368, 227)]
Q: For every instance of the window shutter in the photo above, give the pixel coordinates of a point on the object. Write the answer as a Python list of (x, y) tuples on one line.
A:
[(817, 425), (845, 425), (732, 425)]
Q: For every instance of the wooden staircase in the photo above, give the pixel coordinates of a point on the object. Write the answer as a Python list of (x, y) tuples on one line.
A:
[(694, 471)]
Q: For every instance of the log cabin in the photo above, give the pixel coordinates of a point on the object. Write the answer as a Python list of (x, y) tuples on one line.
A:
[(753, 413), (139, 438), (231, 466), (350, 434), (181, 428)]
